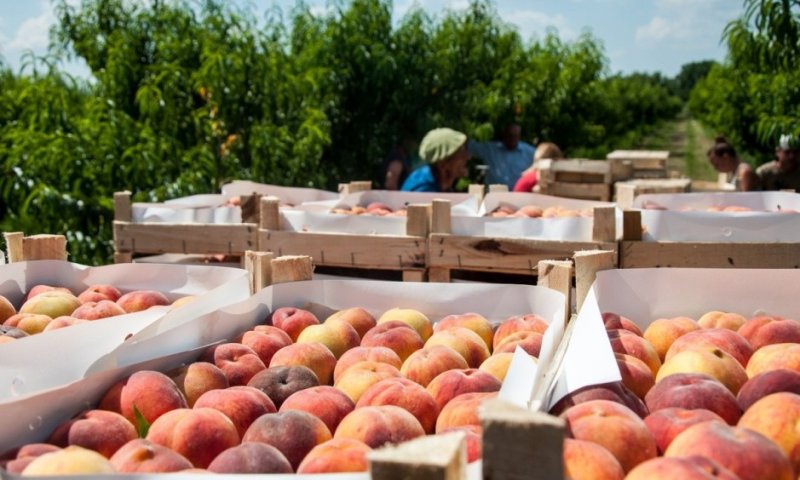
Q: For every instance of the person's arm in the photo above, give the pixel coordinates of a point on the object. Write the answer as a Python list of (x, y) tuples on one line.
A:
[(393, 172), (748, 179)]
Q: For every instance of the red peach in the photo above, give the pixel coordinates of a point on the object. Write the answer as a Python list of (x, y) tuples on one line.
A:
[(530, 322), (139, 300), (405, 394), (251, 457), (292, 432), (243, 405), (424, 365), (315, 356), (379, 425), (585, 460), (450, 384), (360, 354), (327, 403), (667, 423), (143, 456), (99, 430), (151, 393), (293, 320), (395, 335), (693, 391), (338, 455), (198, 378)]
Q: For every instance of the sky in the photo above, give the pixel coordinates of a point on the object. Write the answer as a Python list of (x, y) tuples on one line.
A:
[(637, 35)]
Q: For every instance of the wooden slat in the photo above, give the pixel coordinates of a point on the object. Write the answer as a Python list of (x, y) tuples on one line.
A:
[(441, 221), (431, 457), (291, 268), (587, 264), (557, 275), (438, 275), (122, 206), (591, 191), (502, 254), (632, 225), (414, 275), (345, 250), (521, 444), (44, 247), (14, 251), (418, 220), (498, 188), (624, 194), (259, 266), (270, 217), (251, 208), (201, 238), (634, 254), (476, 190), (604, 224)]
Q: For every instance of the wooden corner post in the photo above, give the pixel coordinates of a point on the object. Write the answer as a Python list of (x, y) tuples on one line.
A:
[(291, 268), (557, 275), (270, 216), (604, 224), (432, 457), (587, 264), (259, 267), (521, 444)]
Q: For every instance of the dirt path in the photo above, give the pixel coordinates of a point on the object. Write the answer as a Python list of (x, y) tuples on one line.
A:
[(687, 142)]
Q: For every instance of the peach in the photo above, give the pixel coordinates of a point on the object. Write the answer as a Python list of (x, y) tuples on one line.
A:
[(452, 383), (747, 454), (766, 383), (762, 331), (497, 365), (99, 430), (149, 392), (199, 434), (358, 318), (143, 456), (241, 404), (726, 340), (72, 460), (360, 354), (358, 378), (462, 411), (585, 460), (614, 427), (776, 417), (379, 425), (709, 360), (179, 302), (265, 344), (613, 391), (424, 365), (238, 362), (279, 383), (95, 293), (395, 335), (517, 323), (685, 468), (530, 211), (338, 455), (251, 457), (37, 289), (405, 394), (636, 375), (466, 342), (663, 331), (292, 432), (98, 310), (139, 300), (471, 321), (32, 323), (327, 403), (293, 320), (474, 437), (6, 309), (774, 357), (315, 356), (414, 318), (531, 342), (63, 321), (613, 321), (337, 335), (717, 319), (694, 391), (667, 423), (623, 341), (53, 304), (26, 454), (198, 378)]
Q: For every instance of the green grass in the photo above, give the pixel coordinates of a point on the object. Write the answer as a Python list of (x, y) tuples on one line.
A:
[(687, 141)]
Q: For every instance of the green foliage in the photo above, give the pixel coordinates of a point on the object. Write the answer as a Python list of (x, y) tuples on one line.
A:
[(690, 74), (753, 97), (185, 96)]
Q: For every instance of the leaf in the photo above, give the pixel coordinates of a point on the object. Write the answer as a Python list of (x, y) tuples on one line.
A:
[(142, 425)]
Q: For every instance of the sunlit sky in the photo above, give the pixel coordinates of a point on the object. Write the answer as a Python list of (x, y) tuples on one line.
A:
[(638, 35)]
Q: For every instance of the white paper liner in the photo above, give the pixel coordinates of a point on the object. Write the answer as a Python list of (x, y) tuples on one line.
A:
[(290, 195), (61, 356), (644, 295)]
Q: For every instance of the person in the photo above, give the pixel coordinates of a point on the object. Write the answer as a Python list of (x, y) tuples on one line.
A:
[(400, 162), (783, 173), (530, 177), (506, 159), (445, 152), (723, 158)]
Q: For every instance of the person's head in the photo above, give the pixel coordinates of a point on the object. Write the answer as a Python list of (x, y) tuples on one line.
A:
[(723, 156), (786, 153), (547, 150), (511, 135), (446, 151)]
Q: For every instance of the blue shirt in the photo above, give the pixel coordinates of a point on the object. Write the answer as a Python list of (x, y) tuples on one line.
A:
[(421, 180), (505, 166)]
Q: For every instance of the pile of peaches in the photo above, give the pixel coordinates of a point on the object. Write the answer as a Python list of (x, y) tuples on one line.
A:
[(48, 308), (534, 211), (294, 395), (378, 209), (714, 208), (716, 397)]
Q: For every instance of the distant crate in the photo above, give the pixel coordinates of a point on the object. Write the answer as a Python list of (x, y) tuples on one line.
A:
[(582, 179), (645, 163), (625, 192)]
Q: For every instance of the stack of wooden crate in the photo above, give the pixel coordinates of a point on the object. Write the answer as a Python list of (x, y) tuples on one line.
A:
[(644, 163), (583, 179)]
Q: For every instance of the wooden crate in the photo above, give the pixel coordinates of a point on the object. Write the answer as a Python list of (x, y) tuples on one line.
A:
[(154, 238), (579, 178), (20, 248), (626, 191), (520, 256), (636, 253), (645, 163), (405, 253)]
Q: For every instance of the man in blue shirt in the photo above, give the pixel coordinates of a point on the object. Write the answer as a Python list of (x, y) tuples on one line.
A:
[(506, 159), (445, 152)]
